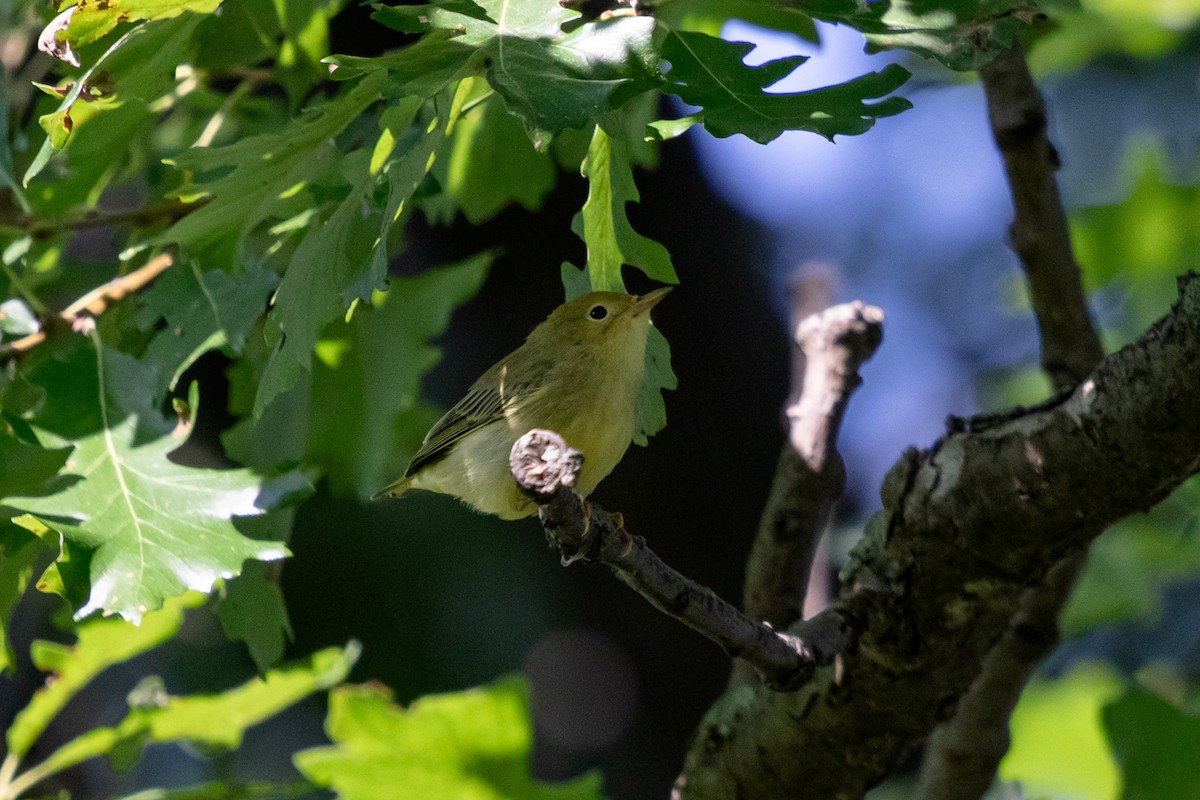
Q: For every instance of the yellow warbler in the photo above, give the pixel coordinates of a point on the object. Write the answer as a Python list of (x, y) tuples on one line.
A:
[(578, 373)]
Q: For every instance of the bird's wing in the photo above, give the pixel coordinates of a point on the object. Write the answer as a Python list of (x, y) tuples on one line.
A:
[(484, 403)]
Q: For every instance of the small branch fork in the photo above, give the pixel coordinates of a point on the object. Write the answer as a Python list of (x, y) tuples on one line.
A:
[(810, 477), (546, 468)]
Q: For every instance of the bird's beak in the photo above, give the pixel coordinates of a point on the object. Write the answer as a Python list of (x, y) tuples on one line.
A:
[(648, 301)]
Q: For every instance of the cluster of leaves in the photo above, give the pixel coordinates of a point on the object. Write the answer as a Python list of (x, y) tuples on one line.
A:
[(281, 227), (484, 734)]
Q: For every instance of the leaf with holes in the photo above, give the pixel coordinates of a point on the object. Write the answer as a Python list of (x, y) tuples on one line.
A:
[(154, 528)]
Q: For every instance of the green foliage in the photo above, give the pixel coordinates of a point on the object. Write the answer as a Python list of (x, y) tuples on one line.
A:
[(472, 745), (213, 721), (1058, 745), (155, 529), (551, 77), (710, 73), (1156, 744), (282, 181)]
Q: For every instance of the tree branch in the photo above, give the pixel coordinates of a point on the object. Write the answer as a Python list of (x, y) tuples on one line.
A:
[(101, 218), (810, 476), (967, 527), (95, 301), (546, 468), (1039, 233), (962, 757)]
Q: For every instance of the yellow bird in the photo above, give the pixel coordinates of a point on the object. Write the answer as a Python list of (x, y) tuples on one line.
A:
[(578, 373)]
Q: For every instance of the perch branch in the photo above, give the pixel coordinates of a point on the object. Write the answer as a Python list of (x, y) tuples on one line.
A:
[(95, 301), (810, 476), (967, 527), (546, 469), (963, 754)]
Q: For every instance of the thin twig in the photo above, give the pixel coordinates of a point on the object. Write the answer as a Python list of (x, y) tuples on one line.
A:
[(95, 301), (98, 218), (963, 754), (546, 468)]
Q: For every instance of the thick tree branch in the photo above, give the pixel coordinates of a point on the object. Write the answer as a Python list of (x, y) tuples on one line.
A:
[(546, 468), (963, 755), (967, 527), (810, 476)]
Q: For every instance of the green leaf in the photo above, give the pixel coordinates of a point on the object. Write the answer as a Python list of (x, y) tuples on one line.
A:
[(710, 73), (222, 790), (19, 550), (1058, 747), (1157, 745), (25, 469), (247, 179), (92, 20), (155, 528), (101, 643), (962, 34), (200, 312), (422, 69), (1129, 568), (710, 16), (651, 406), (472, 745), (252, 610), (550, 77), (217, 721), (357, 401), (603, 225), (344, 259), (489, 164), (139, 67)]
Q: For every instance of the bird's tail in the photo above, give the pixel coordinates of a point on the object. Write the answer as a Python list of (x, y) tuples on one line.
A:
[(395, 489)]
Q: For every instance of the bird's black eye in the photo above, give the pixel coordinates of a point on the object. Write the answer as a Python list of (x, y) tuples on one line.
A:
[(598, 312)]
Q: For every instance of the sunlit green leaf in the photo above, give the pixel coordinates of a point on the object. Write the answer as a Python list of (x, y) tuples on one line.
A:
[(1058, 747), (217, 721), (19, 550), (710, 16), (490, 164), (710, 73), (247, 179), (471, 745), (92, 20), (155, 528), (552, 78), (101, 643), (603, 225)]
